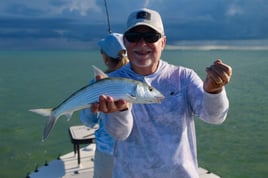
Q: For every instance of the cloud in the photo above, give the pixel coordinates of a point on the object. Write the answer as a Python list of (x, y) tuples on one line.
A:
[(83, 6), (234, 10), (52, 8), (20, 9), (85, 20)]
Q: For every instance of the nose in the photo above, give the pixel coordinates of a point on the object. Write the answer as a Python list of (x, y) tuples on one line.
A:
[(142, 42)]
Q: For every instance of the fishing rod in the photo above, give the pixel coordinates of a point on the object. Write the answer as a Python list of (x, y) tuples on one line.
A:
[(107, 16)]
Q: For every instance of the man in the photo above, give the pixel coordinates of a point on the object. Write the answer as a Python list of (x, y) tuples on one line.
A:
[(158, 140)]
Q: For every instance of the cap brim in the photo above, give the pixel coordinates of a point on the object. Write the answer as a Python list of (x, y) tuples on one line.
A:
[(145, 24)]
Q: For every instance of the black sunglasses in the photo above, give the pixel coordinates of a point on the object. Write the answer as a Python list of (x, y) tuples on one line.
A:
[(149, 37)]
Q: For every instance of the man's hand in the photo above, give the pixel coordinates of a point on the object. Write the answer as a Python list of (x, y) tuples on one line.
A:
[(107, 104), (218, 75)]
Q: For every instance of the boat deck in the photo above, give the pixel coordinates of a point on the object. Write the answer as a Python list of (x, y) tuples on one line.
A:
[(67, 167)]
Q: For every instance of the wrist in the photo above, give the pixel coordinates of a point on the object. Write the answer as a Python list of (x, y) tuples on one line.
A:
[(123, 110), (214, 91)]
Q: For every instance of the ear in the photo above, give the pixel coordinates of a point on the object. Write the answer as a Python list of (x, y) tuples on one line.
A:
[(163, 42), (124, 40), (106, 59)]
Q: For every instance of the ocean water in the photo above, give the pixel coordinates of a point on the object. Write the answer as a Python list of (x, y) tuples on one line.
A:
[(32, 79)]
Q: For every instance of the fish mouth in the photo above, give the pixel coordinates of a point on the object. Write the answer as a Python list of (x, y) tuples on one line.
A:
[(159, 99)]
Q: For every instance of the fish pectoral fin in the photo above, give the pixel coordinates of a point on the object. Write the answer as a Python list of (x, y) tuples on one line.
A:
[(131, 98), (98, 115), (69, 115)]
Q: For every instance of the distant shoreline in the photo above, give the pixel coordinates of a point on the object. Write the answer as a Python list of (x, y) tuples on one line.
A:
[(253, 45), (202, 45)]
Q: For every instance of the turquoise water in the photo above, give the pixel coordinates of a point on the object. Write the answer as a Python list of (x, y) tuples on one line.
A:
[(31, 79)]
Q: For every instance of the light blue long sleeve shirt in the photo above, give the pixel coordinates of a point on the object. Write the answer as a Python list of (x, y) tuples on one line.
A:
[(104, 141), (159, 140)]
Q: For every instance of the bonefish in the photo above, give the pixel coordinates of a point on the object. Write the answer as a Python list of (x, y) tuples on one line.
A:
[(119, 88)]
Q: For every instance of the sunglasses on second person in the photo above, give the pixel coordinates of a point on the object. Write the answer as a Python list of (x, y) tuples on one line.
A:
[(148, 37)]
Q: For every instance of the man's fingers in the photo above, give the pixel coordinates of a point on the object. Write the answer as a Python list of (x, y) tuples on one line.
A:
[(218, 75), (103, 105), (213, 75), (224, 67), (111, 104), (122, 104), (219, 72), (95, 107), (108, 105), (98, 77)]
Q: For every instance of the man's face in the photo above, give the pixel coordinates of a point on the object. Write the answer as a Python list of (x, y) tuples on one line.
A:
[(143, 51)]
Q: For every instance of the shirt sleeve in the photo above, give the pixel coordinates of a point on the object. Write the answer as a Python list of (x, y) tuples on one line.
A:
[(88, 118), (211, 108), (215, 107), (119, 124)]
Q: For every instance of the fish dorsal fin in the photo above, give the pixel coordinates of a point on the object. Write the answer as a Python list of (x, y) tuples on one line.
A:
[(99, 72)]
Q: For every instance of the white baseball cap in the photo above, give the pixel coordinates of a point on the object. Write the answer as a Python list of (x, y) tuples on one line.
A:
[(147, 17), (112, 44)]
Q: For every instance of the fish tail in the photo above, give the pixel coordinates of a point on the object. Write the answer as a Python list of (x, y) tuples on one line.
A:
[(42, 111), (50, 122)]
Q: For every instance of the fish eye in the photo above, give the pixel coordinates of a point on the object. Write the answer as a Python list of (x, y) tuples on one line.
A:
[(150, 88)]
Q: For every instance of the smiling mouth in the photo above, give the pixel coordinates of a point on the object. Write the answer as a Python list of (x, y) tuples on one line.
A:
[(142, 53)]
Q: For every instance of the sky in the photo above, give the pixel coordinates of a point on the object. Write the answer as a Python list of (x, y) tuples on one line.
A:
[(79, 24)]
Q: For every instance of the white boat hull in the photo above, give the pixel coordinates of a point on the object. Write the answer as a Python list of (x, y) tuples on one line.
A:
[(67, 167)]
